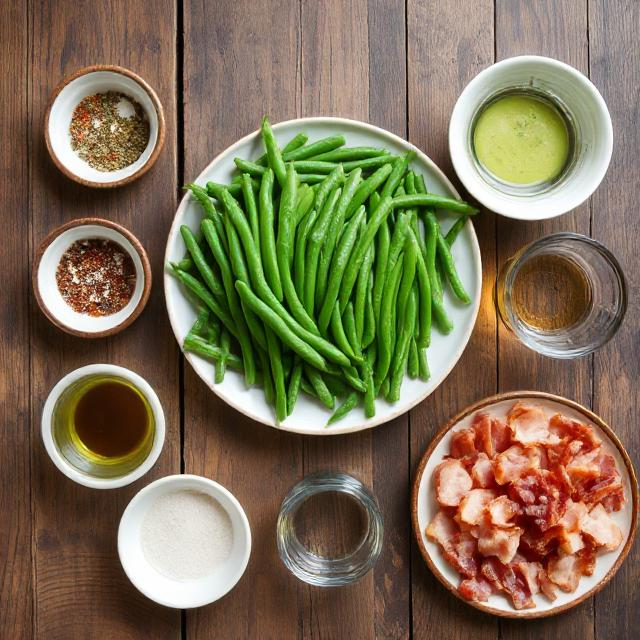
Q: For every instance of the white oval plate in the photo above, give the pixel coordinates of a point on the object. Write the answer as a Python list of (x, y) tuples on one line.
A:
[(310, 417), (424, 506)]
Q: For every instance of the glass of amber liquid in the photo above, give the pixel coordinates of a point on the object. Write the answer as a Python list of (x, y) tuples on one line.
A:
[(563, 295)]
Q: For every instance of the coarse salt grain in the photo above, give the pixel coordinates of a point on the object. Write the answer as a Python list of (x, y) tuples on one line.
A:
[(186, 535)]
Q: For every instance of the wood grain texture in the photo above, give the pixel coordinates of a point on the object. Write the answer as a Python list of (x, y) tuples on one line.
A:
[(615, 70), (241, 60), (81, 590), (558, 30), (16, 585), (446, 50)]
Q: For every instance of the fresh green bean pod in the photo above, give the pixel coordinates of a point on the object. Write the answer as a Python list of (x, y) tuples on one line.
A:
[(350, 374), (383, 242), (402, 349), (277, 371), (274, 155), (293, 389), (448, 264), (251, 208), (397, 173), (299, 140), (307, 387), (368, 163), (250, 168), (267, 378), (299, 254), (369, 331), (197, 345), (339, 335), (455, 230), (349, 324), (215, 189), (434, 201), (362, 285), (315, 148), (423, 366), (200, 325), (350, 402), (327, 186), (424, 302), (304, 202), (201, 264), (311, 178), (323, 393), (413, 369), (267, 236), (408, 275), (221, 364), (367, 187), (347, 154)]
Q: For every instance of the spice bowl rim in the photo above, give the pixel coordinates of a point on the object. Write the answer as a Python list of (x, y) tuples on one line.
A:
[(593, 124), (159, 116), (144, 273), (47, 426), (131, 520)]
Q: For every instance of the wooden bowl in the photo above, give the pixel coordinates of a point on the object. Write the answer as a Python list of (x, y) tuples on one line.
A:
[(65, 98), (424, 506), (46, 290)]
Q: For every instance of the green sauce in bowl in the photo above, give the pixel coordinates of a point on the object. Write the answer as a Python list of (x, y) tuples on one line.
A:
[(522, 139)]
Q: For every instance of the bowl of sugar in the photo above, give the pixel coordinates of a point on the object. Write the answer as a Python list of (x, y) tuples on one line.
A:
[(184, 541)]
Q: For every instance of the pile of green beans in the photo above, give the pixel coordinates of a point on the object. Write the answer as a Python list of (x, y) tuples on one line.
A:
[(319, 269)]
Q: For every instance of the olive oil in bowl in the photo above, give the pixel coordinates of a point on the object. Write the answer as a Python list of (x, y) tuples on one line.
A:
[(103, 426)]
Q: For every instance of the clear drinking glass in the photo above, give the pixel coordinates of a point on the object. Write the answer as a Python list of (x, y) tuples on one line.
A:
[(313, 567), (563, 296)]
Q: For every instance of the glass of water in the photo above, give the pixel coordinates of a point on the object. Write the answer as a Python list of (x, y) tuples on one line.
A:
[(563, 295)]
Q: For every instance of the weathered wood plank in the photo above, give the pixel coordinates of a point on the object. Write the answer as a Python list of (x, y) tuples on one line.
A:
[(615, 70), (16, 587), (446, 49), (558, 30), (241, 60), (81, 590)]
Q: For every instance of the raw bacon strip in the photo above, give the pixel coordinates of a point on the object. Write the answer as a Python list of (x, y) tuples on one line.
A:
[(528, 424), (463, 443), (503, 578), (601, 529), (475, 589), (502, 510), (482, 472), (513, 463), (473, 504), (452, 482), (564, 571), (502, 543)]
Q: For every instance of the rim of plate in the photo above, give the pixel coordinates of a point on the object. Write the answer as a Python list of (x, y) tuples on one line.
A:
[(371, 422), (487, 402)]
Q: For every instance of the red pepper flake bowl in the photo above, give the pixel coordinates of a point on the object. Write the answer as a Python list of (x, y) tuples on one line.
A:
[(60, 310), (101, 79)]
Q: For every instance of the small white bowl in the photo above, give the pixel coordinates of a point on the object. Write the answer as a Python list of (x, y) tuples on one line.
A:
[(65, 98), (583, 102), (61, 462), (182, 594), (46, 289)]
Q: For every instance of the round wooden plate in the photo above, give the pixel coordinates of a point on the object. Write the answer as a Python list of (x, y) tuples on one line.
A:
[(424, 506)]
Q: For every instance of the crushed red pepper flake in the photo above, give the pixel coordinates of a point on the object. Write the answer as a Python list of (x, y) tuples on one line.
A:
[(96, 276)]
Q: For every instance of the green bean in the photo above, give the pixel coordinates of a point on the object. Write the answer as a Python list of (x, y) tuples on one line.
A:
[(456, 228), (299, 254), (267, 236), (201, 292), (307, 387), (408, 274), (258, 280), (444, 251), (323, 393), (351, 376), (280, 328), (385, 346), (396, 175), (315, 148), (349, 324), (338, 267), (350, 402), (200, 347), (367, 187), (412, 362), (347, 154), (215, 189), (403, 348), (433, 200), (314, 166), (251, 208), (423, 365), (214, 328), (339, 335), (299, 140), (383, 241), (304, 202), (311, 178), (294, 385), (336, 225), (200, 324), (250, 168), (398, 239), (277, 371), (368, 163), (274, 155), (362, 284), (267, 379), (314, 244), (201, 264), (369, 332), (221, 364), (370, 392), (424, 302), (384, 388), (366, 238), (326, 187)]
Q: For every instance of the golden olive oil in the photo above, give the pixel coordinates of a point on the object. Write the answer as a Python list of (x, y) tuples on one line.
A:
[(103, 426)]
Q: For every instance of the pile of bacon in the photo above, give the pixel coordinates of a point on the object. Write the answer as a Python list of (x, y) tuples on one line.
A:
[(525, 505)]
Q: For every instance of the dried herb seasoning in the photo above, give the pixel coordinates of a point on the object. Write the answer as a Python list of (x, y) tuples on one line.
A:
[(96, 276), (109, 131)]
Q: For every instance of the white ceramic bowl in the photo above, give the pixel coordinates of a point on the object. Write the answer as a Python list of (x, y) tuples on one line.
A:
[(182, 594), (86, 82), (309, 416), (46, 289), (594, 135), (424, 506), (61, 462)]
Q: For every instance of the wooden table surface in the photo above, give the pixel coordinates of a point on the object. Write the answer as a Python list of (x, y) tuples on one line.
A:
[(217, 67)]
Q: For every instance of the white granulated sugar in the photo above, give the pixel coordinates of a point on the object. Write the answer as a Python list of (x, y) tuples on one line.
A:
[(186, 535)]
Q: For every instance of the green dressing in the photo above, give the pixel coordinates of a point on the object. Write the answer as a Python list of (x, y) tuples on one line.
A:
[(521, 139)]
